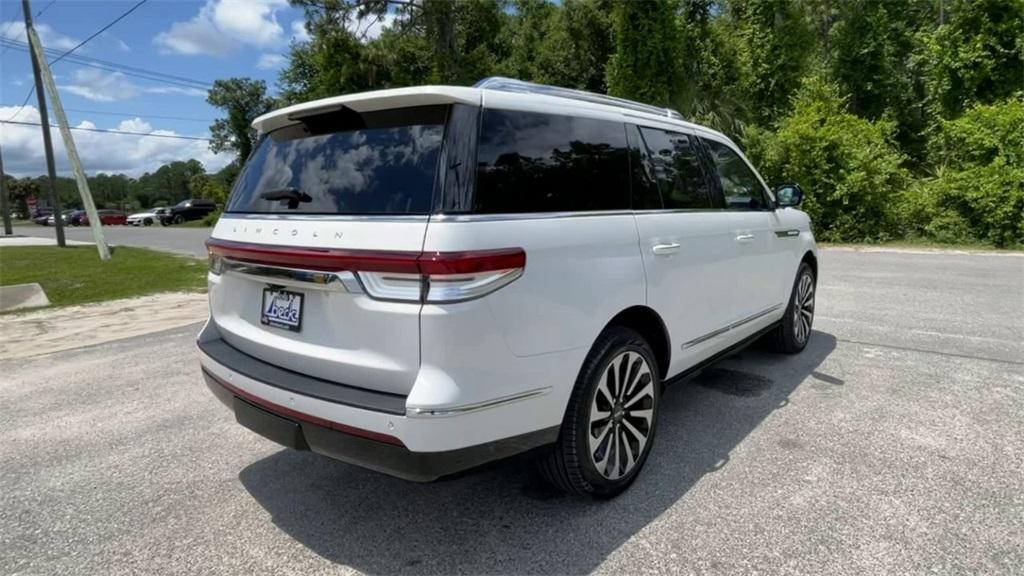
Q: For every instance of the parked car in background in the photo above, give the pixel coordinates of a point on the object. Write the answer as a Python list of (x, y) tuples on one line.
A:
[(145, 218), (107, 218), (496, 269), (70, 218), (189, 209), (41, 215)]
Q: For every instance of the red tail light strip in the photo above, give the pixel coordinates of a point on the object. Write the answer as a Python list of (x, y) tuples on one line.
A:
[(320, 259), (289, 413), (399, 262)]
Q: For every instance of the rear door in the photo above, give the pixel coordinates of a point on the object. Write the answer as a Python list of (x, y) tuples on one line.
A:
[(685, 240), (335, 193)]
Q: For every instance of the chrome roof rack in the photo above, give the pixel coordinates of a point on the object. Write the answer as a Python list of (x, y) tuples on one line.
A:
[(512, 85)]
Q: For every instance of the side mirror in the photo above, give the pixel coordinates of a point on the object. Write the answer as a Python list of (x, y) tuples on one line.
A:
[(788, 195)]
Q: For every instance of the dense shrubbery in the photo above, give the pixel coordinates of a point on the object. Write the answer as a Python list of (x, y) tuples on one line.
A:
[(977, 192), (849, 167), (859, 190)]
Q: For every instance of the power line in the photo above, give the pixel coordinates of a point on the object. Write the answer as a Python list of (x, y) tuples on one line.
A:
[(116, 67), (13, 22), (110, 131), (100, 31), (80, 44), (140, 115)]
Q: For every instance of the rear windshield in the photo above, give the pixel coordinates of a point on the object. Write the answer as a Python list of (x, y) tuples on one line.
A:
[(344, 162)]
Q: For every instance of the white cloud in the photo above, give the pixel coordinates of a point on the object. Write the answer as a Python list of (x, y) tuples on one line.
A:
[(175, 90), (117, 43), (299, 33), (270, 61), (222, 25), (15, 30), (102, 86), (100, 152)]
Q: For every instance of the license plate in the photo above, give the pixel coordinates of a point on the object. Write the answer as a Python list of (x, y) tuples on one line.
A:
[(281, 309)]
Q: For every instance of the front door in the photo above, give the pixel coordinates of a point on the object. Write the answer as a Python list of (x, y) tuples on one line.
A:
[(756, 264)]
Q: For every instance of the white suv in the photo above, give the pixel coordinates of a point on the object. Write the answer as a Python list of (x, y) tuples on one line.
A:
[(421, 280)]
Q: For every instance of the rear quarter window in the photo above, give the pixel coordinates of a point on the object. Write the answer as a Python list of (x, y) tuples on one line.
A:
[(533, 162)]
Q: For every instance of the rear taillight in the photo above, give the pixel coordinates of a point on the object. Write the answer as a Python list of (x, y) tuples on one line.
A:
[(432, 277)]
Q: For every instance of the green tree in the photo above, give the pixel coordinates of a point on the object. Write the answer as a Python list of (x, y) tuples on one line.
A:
[(645, 63), (775, 45), (576, 46), (976, 56), (243, 99)]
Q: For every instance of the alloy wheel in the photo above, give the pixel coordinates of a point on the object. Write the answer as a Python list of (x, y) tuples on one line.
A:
[(621, 415), (803, 308)]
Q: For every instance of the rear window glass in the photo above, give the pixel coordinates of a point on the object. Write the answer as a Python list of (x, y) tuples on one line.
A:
[(531, 162), (344, 162)]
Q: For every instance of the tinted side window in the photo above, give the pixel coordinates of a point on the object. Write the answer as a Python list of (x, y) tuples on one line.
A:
[(646, 195), (530, 162), (741, 188), (675, 165)]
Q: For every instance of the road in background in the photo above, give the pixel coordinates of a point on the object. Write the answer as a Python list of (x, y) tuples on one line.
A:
[(186, 241), (893, 444)]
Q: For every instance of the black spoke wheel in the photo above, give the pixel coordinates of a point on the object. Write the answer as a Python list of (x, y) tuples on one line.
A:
[(609, 424)]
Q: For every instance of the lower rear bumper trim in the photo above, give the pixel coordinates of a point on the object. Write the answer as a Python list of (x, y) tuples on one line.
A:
[(362, 447)]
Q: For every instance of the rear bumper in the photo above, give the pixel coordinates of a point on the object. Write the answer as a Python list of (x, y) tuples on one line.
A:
[(378, 452)]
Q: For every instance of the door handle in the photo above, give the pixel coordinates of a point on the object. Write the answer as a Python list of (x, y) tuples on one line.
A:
[(662, 249), (745, 238)]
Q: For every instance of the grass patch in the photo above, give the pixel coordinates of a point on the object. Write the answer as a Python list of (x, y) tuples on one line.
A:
[(75, 275)]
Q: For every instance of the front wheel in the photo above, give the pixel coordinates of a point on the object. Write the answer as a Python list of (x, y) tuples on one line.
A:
[(794, 331), (609, 425), (179, 219)]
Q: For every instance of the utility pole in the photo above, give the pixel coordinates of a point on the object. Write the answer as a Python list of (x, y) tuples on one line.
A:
[(3, 200), (44, 119), (65, 131)]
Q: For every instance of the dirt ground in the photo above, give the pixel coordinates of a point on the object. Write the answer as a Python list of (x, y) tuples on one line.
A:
[(55, 329)]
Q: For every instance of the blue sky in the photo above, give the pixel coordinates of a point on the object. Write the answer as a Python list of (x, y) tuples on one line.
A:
[(203, 40)]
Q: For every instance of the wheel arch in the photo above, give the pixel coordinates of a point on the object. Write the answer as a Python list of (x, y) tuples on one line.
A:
[(811, 261), (648, 323)]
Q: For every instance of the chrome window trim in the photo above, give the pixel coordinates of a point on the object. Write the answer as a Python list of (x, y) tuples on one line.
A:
[(526, 216), (428, 412), (326, 217), (733, 326)]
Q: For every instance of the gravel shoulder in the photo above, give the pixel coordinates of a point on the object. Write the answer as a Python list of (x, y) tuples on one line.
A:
[(46, 331)]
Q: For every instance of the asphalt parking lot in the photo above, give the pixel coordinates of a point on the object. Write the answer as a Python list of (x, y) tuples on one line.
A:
[(893, 444)]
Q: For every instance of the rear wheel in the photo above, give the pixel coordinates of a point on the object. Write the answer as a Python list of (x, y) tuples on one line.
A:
[(794, 331), (610, 422), (147, 222)]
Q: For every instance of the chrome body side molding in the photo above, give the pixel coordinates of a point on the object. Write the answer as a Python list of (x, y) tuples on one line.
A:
[(733, 326)]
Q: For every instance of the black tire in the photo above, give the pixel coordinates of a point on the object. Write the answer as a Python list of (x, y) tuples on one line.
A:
[(179, 219), (570, 464), (147, 222), (789, 337)]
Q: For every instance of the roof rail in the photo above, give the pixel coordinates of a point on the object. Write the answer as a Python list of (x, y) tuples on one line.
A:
[(512, 85)]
